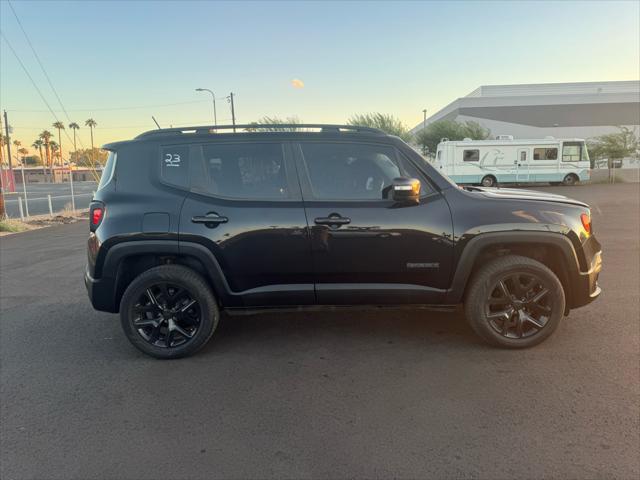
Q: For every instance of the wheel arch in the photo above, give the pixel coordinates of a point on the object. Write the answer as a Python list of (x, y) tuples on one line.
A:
[(551, 249), (126, 260)]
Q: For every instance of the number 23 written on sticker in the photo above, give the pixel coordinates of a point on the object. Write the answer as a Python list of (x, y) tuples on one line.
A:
[(172, 159)]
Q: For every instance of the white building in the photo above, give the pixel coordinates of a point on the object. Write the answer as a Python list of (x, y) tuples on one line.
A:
[(562, 110)]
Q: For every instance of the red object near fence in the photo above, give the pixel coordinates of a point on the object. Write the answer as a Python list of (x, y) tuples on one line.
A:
[(8, 183)]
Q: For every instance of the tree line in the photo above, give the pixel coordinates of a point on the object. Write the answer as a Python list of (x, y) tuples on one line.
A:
[(612, 146), (427, 138)]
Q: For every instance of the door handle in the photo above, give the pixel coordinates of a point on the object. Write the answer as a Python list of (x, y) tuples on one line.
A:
[(210, 219), (332, 219)]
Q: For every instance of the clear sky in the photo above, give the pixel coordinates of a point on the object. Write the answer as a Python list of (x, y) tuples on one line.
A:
[(121, 62)]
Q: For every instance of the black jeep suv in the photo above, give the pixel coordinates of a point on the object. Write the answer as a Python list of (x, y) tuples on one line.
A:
[(187, 222)]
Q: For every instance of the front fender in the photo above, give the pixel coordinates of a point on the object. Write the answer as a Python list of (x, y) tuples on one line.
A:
[(482, 241)]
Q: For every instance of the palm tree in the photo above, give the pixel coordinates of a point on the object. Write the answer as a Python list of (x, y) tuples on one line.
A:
[(55, 151), (91, 123), (45, 135), (74, 126), (37, 144), (23, 152), (60, 127)]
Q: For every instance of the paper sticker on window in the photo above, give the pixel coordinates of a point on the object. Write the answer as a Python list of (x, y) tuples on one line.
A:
[(172, 159), (175, 165)]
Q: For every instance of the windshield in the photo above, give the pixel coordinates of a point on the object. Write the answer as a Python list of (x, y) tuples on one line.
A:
[(574, 152)]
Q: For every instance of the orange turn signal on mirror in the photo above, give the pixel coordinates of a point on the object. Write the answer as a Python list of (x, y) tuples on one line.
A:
[(586, 222)]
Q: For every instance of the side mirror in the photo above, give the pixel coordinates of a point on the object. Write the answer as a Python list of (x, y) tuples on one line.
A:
[(405, 190)]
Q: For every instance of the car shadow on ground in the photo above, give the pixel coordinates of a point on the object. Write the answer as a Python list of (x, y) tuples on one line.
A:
[(358, 328)]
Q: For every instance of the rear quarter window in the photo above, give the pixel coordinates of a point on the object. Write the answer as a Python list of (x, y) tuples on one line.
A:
[(174, 165)]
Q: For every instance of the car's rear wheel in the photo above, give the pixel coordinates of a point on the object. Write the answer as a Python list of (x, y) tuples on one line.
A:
[(569, 180), (489, 181), (169, 312), (514, 302)]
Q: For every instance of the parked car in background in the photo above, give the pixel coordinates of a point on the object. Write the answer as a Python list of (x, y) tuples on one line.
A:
[(505, 160)]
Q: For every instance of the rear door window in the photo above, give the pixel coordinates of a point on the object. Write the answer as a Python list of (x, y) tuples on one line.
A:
[(250, 171)]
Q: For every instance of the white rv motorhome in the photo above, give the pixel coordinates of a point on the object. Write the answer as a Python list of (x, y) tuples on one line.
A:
[(505, 160)]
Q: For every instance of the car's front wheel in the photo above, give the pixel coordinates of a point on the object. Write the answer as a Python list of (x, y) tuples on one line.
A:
[(514, 302), (169, 312)]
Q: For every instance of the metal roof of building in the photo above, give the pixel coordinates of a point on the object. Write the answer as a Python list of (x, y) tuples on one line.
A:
[(544, 105)]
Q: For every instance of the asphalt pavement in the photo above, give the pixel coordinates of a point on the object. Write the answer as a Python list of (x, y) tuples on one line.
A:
[(374, 394), (38, 202)]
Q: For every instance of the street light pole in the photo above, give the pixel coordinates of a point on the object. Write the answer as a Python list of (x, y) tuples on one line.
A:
[(424, 126), (215, 115), (233, 112)]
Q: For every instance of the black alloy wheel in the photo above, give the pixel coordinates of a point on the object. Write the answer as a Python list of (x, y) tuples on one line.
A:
[(169, 311), (167, 315), (519, 305), (514, 302)]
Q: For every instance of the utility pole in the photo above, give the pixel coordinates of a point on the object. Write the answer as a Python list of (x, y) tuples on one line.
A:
[(3, 213), (6, 129), (233, 112)]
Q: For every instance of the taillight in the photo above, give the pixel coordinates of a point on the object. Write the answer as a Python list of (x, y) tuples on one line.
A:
[(586, 222), (96, 215)]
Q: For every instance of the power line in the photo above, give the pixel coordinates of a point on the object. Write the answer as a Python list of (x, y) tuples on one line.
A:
[(35, 54), (114, 127), (33, 82), (115, 108), (29, 76), (36, 87)]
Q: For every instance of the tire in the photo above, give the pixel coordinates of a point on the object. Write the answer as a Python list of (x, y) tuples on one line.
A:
[(169, 312), (488, 181), (529, 323), (570, 180)]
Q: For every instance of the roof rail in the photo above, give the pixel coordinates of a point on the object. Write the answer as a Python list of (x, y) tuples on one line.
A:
[(276, 127)]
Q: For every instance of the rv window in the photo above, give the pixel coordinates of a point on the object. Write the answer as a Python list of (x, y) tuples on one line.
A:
[(571, 151), (523, 156), (545, 153), (439, 154), (471, 156)]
